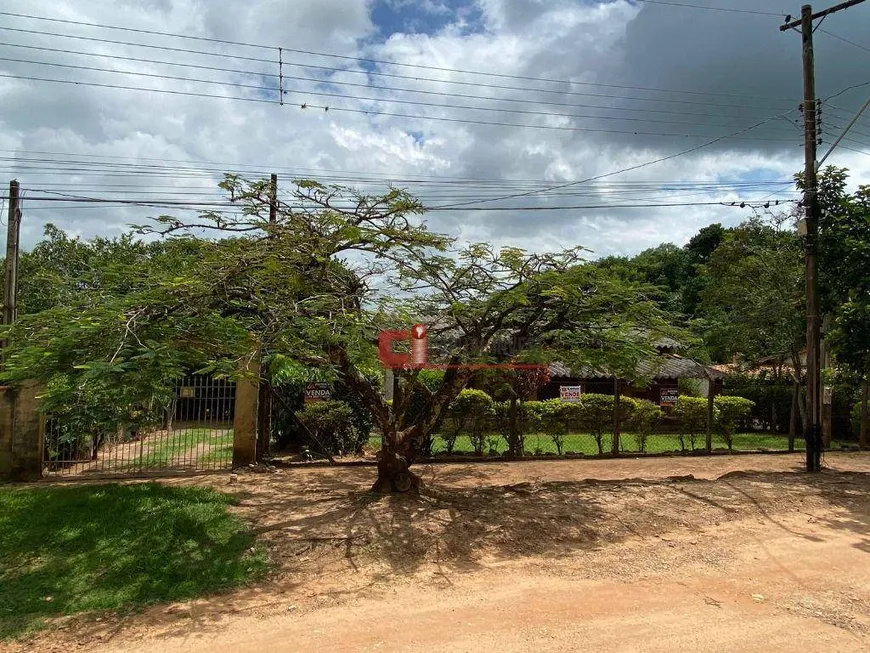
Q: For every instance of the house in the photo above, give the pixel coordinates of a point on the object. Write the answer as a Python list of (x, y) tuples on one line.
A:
[(663, 371)]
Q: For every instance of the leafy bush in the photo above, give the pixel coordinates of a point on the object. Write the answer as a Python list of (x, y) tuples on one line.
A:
[(329, 425), (469, 413), (729, 412), (596, 415), (645, 416), (513, 428), (692, 415), (558, 418)]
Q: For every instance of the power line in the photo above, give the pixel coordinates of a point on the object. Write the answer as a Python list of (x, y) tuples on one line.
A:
[(634, 167), (352, 58), (709, 8), (845, 40), (361, 98), (334, 82), (327, 108), (76, 199), (414, 78)]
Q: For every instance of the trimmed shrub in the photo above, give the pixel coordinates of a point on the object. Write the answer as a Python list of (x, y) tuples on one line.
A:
[(330, 426), (526, 420), (596, 415), (558, 418), (692, 415), (729, 412), (645, 417), (469, 413)]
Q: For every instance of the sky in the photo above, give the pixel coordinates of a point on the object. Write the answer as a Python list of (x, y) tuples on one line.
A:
[(459, 101)]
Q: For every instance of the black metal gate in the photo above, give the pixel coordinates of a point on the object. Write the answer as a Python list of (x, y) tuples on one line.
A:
[(196, 434)]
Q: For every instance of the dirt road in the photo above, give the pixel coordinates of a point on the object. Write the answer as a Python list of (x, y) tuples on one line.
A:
[(770, 560)]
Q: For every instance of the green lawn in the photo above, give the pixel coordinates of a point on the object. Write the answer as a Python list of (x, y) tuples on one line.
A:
[(65, 550), (585, 443), (188, 446)]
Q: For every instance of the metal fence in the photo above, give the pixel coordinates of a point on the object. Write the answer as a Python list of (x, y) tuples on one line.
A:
[(196, 434)]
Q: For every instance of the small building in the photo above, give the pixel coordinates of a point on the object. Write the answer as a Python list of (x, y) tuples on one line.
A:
[(663, 371)]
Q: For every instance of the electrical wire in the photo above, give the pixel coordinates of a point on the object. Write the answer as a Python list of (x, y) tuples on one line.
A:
[(634, 167), (352, 58), (710, 8), (441, 81), (845, 40), (334, 82), (362, 98), (327, 108)]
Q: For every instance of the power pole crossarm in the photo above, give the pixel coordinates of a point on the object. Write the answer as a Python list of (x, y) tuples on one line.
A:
[(821, 14)]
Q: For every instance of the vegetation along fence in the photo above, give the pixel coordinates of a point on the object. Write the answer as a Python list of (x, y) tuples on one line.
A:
[(194, 431)]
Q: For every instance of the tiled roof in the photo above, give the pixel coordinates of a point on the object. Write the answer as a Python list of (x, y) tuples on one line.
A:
[(665, 366)]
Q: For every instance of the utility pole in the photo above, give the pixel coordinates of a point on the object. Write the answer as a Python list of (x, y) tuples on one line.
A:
[(273, 199), (13, 228), (813, 432), (264, 405)]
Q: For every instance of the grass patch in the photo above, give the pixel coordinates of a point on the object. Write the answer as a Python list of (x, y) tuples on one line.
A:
[(180, 447), (221, 453), (585, 443), (65, 550)]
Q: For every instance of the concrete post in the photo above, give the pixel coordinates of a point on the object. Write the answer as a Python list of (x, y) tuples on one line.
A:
[(22, 436), (247, 408), (6, 409)]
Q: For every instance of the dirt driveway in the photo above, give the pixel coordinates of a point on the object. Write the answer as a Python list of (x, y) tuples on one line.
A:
[(749, 555)]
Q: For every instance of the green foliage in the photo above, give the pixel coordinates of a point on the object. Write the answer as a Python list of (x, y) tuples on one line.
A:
[(469, 413), (729, 413), (558, 418), (645, 418), (596, 415), (753, 302), (772, 398), (329, 424), (855, 418), (135, 316), (692, 415), (66, 550)]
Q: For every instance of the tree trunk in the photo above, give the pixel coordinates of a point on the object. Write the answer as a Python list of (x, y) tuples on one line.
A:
[(864, 437), (394, 462)]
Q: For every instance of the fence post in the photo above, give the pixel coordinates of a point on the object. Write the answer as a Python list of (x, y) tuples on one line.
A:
[(22, 435), (617, 390), (246, 411), (711, 398)]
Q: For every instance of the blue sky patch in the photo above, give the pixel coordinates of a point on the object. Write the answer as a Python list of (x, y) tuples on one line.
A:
[(424, 16)]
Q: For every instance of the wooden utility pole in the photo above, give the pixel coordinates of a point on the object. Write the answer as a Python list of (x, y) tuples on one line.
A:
[(13, 229), (264, 403), (813, 431), (273, 199), (811, 208)]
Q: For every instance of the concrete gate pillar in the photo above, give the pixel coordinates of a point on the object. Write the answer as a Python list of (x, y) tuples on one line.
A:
[(246, 411), (22, 434)]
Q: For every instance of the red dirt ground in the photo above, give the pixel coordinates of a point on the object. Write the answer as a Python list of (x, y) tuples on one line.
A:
[(749, 554)]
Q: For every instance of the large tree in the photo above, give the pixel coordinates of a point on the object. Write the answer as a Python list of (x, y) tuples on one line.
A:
[(753, 301), (319, 283), (844, 273)]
